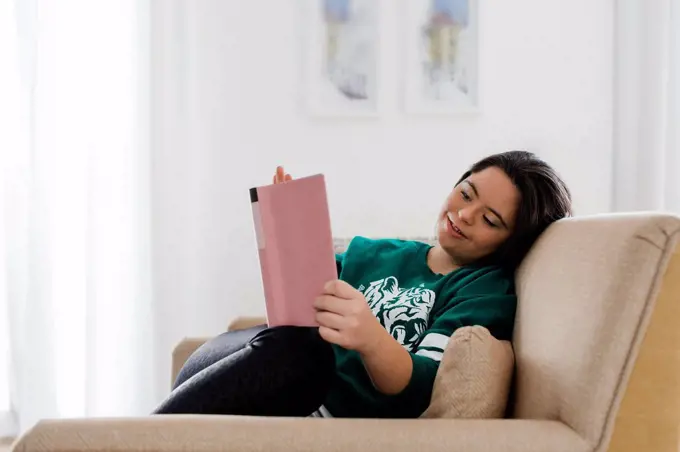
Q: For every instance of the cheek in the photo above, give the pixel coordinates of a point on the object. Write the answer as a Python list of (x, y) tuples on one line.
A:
[(489, 240), (446, 206), (452, 203)]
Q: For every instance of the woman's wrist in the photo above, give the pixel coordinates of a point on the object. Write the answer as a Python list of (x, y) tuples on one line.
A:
[(388, 364), (380, 340)]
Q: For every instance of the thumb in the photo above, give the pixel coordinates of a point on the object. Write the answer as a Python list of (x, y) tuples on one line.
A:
[(340, 289)]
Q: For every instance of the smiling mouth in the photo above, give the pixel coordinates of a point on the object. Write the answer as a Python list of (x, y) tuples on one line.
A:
[(456, 229)]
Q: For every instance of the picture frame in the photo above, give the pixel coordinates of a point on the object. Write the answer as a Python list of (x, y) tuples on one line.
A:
[(441, 56), (340, 57)]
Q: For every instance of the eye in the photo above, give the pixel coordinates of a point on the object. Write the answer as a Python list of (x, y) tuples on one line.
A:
[(465, 196), (489, 222)]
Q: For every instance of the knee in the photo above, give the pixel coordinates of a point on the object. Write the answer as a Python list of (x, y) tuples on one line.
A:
[(284, 336), (295, 343)]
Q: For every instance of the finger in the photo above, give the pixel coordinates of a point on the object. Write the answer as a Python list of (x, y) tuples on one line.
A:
[(279, 174), (274, 179), (330, 303), (331, 335), (288, 177), (330, 320), (340, 289)]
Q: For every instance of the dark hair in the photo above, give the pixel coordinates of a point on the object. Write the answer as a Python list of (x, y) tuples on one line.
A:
[(544, 199)]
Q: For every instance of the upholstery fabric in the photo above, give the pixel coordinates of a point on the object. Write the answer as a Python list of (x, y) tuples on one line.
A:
[(473, 380), (239, 434), (586, 293)]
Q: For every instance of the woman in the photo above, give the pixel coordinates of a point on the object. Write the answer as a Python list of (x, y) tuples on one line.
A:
[(384, 324)]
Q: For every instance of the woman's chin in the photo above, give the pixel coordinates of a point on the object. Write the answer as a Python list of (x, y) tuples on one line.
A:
[(443, 238), (452, 246), (447, 243)]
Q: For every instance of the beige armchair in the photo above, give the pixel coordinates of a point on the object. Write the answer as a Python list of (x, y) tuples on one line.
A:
[(597, 344)]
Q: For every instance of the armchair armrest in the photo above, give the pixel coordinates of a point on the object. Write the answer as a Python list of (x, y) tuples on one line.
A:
[(245, 434)]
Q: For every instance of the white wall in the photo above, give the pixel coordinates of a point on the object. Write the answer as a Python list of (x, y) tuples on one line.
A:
[(226, 113)]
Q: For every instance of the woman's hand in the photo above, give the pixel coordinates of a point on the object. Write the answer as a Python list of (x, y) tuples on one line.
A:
[(281, 176), (345, 319)]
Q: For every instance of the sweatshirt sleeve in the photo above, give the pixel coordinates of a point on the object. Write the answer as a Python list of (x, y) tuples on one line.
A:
[(339, 258), (488, 301)]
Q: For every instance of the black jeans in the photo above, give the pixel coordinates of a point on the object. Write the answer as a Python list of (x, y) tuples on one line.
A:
[(281, 371)]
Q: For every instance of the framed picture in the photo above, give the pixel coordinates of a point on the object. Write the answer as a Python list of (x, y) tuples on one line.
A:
[(340, 54), (441, 56)]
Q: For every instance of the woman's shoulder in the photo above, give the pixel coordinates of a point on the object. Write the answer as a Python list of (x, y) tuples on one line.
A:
[(481, 280), (361, 243)]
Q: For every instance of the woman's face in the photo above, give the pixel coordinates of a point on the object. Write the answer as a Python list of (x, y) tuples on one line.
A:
[(478, 215)]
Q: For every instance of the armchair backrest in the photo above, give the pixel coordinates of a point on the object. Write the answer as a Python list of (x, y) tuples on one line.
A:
[(597, 334)]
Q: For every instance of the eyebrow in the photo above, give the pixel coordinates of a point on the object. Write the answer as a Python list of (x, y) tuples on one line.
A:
[(500, 217)]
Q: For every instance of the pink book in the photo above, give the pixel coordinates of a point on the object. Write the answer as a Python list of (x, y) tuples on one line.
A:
[(295, 246)]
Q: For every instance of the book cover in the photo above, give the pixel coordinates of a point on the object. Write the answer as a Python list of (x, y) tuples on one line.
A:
[(295, 247)]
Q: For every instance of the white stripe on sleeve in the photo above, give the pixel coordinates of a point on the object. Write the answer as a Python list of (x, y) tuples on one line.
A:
[(435, 340), (321, 412), (437, 356)]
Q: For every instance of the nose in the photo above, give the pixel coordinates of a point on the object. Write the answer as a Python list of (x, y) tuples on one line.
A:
[(466, 215)]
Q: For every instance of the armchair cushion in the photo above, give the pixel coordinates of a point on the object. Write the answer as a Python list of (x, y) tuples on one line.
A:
[(474, 377), (175, 433)]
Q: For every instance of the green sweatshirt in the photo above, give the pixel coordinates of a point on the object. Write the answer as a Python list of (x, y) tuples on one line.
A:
[(420, 309)]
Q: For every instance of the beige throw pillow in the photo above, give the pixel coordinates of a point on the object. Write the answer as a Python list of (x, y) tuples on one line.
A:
[(474, 376)]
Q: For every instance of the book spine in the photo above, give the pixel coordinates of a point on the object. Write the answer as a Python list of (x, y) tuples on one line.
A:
[(268, 257), (260, 241)]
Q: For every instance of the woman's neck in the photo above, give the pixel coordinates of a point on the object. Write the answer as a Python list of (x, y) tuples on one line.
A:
[(439, 261)]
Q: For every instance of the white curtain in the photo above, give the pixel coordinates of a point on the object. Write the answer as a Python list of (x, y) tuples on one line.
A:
[(76, 335), (647, 106), (12, 120)]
